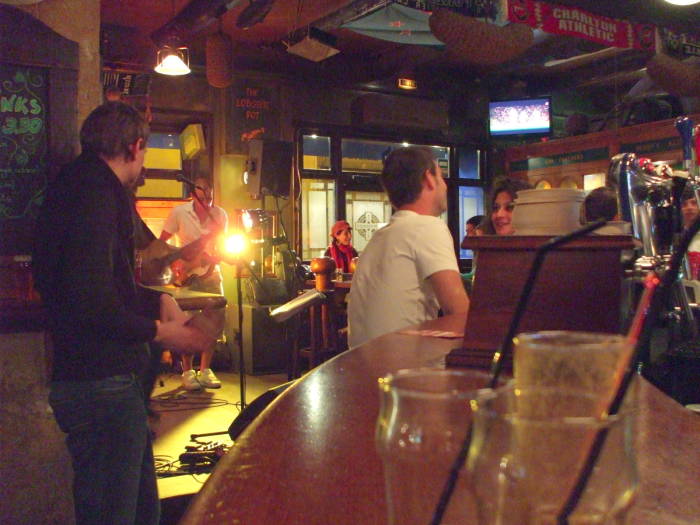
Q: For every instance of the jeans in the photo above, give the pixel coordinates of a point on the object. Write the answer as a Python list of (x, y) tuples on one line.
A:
[(110, 446)]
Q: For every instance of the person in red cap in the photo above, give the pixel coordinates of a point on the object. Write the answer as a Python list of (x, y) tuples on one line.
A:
[(340, 249)]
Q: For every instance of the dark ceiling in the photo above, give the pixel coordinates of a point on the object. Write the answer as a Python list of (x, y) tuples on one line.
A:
[(128, 24)]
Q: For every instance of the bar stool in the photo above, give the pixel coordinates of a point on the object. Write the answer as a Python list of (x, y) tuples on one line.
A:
[(324, 341)]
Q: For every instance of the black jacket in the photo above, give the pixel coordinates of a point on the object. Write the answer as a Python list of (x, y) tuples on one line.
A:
[(83, 268)]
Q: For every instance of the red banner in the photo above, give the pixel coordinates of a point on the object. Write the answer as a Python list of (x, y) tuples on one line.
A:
[(572, 21)]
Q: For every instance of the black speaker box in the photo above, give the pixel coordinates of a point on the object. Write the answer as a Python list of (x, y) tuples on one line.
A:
[(252, 411), (269, 167), (265, 343)]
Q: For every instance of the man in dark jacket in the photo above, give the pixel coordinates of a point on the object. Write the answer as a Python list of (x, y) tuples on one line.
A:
[(83, 266)]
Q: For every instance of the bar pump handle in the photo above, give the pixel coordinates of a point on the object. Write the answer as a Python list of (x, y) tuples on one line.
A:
[(684, 125)]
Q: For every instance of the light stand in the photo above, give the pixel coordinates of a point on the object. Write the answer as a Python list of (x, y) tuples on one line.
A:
[(239, 334)]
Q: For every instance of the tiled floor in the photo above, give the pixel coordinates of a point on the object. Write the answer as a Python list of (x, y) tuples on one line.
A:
[(182, 413)]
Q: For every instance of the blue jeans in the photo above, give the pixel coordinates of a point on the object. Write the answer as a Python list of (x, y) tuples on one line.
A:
[(110, 446)]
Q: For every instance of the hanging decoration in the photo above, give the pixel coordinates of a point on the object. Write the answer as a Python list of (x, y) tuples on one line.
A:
[(680, 44), (478, 42), (396, 23), (219, 60), (680, 78), (572, 21)]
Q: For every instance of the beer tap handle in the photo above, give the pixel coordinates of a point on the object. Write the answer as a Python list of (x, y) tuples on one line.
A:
[(685, 128)]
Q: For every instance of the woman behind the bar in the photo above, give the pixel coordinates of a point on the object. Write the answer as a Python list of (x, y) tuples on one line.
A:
[(340, 249), (499, 219)]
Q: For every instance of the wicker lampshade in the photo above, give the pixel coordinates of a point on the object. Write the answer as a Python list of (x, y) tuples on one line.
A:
[(219, 51), (478, 42), (676, 77)]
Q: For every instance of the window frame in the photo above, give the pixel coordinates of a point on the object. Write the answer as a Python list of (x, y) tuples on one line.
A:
[(357, 181)]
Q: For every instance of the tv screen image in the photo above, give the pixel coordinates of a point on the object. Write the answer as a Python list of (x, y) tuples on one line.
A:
[(519, 117)]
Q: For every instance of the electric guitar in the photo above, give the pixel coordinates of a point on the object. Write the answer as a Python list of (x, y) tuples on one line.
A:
[(157, 257)]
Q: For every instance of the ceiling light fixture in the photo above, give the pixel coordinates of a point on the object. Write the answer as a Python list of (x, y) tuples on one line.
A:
[(173, 61), (406, 83), (683, 2)]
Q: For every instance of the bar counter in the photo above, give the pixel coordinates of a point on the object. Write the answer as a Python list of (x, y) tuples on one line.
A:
[(309, 458)]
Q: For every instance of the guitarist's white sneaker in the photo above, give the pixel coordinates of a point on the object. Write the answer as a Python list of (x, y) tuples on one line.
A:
[(207, 379), (189, 380)]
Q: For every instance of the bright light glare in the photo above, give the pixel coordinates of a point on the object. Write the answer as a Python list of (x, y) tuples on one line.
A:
[(683, 2), (235, 244), (405, 144), (172, 65), (247, 221)]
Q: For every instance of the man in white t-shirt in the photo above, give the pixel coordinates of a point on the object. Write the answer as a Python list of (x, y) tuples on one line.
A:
[(408, 271), (198, 219)]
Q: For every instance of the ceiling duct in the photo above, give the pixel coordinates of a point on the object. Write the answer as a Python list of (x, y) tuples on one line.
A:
[(192, 19), (315, 45)]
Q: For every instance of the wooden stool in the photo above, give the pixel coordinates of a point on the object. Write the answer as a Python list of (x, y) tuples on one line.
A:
[(323, 329)]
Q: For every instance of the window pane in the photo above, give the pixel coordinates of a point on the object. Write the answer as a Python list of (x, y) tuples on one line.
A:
[(317, 216), (366, 156), (471, 202), (469, 163), (366, 211), (316, 152), (163, 152)]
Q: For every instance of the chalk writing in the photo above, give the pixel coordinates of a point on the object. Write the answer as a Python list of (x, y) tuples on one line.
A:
[(23, 146)]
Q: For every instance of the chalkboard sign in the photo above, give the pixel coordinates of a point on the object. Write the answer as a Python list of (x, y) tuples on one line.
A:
[(23, 153)]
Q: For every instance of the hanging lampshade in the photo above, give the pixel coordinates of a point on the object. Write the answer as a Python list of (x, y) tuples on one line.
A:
[(173, 61), (478, 42), (219, 51)]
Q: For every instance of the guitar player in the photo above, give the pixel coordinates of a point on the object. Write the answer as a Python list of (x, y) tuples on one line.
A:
[(189, 222)]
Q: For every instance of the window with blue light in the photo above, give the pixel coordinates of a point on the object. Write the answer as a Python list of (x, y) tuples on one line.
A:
[(471, 203)]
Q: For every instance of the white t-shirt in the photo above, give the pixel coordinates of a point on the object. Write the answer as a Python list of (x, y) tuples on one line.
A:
[(389, 288), (184, 223)]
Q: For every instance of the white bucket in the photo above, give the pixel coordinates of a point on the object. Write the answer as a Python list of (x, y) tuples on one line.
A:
[(547, 211)]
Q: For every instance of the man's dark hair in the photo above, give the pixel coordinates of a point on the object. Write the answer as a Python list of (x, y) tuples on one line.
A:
[(402, 176), (600, 203), (111, 128), (687, 194), (475, 221)]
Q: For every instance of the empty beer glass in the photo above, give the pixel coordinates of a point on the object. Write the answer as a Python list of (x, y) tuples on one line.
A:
[(528, 447), (424, 418)]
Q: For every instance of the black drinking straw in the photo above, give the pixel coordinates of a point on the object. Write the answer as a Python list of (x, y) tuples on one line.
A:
[(657, 303), (505, 349)]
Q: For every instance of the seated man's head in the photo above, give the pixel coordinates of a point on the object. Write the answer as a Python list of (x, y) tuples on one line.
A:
[(601, 203), (689, 207), (472, 225), (411, 176)]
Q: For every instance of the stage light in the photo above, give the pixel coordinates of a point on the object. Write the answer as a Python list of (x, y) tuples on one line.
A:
[(235, 244)]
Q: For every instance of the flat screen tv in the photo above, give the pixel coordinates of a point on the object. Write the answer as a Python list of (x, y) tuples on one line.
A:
[(532, 116)]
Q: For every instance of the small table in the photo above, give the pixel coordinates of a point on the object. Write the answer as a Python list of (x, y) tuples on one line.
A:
[(190, 299)]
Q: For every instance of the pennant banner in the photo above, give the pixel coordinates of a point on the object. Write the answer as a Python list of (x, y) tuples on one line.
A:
[(572, 21), (477, 8), (680, 45)]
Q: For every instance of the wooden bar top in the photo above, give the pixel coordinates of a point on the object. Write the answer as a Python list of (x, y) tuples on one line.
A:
[(309, 458)]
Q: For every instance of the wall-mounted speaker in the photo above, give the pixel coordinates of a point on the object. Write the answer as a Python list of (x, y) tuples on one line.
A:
[(269, 167)]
